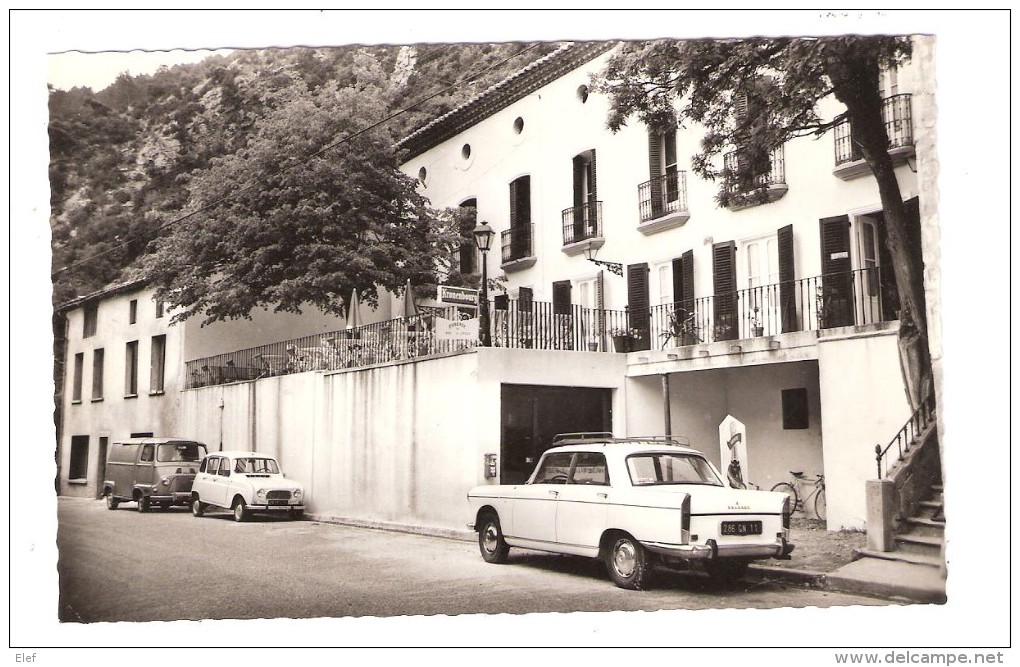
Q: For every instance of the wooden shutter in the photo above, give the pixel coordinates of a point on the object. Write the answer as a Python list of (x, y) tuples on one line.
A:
[(525, 299), (593, 182), (787, 288), (654, 174), (724, 285), (836, 307), (561, 297), (638, 314), (501, 302), (520, 201), (683, 281), (578, 180)]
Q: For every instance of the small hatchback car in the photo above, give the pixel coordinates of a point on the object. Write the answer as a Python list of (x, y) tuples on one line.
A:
[(632, 502), (245, 482)]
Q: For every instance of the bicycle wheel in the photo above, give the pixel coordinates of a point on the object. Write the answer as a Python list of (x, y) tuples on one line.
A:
[(791, 491), (820, 504)]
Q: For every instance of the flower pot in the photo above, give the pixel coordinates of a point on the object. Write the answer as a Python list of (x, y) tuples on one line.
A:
[(593, 346), (621, 343), (757, 331)]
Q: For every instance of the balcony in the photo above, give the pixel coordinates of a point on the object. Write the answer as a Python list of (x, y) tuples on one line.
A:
[(747, 184), (582, 228), (856, 298), (896, 113), (662, 202), (518, 251)]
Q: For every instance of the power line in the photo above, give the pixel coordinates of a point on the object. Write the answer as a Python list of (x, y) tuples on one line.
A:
[(252, 184)]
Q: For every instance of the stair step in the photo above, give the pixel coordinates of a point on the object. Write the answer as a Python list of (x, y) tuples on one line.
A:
[(903, 557), (919, 544), (924, 526)]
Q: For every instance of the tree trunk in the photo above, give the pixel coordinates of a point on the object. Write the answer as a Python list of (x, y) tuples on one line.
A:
[(855, 79)]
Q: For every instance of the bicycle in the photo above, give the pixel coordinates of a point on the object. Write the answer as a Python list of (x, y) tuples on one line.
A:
[(793, 491)]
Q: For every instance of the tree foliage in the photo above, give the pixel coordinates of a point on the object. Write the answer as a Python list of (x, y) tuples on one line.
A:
[(753, 95)]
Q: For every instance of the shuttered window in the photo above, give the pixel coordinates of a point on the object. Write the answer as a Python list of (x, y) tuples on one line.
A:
[(787, 288), (638, 314), (683, 281), (97, 374), (468, 249), (724, 285), (585, 195), (835, 307), (520, 202)]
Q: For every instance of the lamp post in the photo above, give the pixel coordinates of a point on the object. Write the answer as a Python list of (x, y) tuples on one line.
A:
[(483, 240)]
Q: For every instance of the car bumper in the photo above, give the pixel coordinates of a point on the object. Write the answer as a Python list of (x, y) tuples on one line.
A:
[(176, 498), (274, 508), (712, 551)]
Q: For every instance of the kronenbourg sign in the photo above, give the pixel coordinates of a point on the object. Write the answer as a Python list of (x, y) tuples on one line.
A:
[(733, 452), (456, 329)]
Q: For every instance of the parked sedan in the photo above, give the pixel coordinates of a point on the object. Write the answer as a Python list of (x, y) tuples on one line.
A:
[(632, 503), (245, 482)]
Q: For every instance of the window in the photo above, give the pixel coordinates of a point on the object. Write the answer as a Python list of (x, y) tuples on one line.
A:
[(97, 374), (131, 369), (554, 470), (590, 468), (652, 469), (520, 202), (133, 311), (148, 452), (91, 321), (468, 250), (518, 125), (142, 434), (582, 93), (795, 408), (159, 308), (79, 364), (79, 469), (224, 468), (157, 364), (191, 452)]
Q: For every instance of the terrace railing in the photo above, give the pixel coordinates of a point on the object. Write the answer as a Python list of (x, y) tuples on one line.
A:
[(516, 242), (821, 302), (771, 170), (582, 222), (896, 114), (662, 196)]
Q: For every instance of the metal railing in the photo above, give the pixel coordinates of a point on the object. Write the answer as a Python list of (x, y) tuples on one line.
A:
[(896, 114), (839, 299), (743, 176), (582, 222), (662, 196), (907, 436), (517, 242), (820, 302)]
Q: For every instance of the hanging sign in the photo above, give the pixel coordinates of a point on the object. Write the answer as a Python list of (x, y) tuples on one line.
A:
[(459, 295), (456, 329)]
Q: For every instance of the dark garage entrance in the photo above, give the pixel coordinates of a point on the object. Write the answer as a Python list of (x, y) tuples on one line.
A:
[(532, 415)]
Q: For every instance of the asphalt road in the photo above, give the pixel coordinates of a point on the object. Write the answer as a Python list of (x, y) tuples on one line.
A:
[(125, 566)]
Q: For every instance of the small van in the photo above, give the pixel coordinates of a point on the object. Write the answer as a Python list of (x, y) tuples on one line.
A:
[(151, 471)]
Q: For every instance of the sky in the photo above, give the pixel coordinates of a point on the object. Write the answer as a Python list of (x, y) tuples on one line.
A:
[(973, 195)]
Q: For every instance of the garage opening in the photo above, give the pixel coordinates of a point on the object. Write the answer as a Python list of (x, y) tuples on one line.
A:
[(531, 415)]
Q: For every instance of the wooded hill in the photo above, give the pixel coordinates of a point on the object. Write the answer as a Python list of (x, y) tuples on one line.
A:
[(121, 158)]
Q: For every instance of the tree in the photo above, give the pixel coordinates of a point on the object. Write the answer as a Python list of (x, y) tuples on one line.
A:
[(311, 208), (718, 83)]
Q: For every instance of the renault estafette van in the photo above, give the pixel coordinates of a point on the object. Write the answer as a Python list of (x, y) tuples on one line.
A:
[(151, 471)]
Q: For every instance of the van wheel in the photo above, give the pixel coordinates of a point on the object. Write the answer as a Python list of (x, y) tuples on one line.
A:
[(111, 502), (240, 510), (197, 507), (143, 504)]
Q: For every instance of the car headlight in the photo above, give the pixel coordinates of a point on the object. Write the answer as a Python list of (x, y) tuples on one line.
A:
[(261, 493), (297, 493), (166, 481)]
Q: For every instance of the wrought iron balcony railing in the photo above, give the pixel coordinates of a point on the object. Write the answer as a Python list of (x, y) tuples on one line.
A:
[(745, 171), (662, 196), (821, 302), (896, 114), (517, 242), (582, 222)]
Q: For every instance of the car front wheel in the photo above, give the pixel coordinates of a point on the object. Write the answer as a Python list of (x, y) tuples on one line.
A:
[(111, 502), (197, 507), (240, 510), (490, 540), (143, 504), (627, 562)]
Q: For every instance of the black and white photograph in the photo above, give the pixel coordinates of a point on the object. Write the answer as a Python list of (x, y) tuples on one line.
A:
[(463, 329)]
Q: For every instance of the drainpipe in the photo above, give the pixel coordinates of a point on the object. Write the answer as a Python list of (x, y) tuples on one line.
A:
[(221, 420), (665, 405), (251, 415)]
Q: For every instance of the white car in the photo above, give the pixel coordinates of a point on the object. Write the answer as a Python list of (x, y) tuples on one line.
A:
[(632, 502), (245, 482)]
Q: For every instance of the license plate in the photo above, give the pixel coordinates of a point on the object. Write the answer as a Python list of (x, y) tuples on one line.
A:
[(741, 527), (274, 501)]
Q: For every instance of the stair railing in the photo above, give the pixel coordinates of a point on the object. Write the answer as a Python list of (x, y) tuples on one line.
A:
[(905, 438)]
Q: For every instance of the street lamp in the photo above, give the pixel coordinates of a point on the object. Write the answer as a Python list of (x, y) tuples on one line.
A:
[(591, 251), (483, 240)]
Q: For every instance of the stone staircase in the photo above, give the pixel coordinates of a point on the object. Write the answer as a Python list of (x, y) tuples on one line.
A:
[(920, 538)]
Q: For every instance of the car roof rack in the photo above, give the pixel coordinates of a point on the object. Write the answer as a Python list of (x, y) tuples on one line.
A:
[(583, 435), (606, 437)]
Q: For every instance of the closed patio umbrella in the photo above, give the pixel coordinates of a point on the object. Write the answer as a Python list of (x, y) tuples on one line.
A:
[(410, 307), (354, 312)]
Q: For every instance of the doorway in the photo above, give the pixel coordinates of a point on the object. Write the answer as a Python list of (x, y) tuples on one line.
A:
[(531, 415)]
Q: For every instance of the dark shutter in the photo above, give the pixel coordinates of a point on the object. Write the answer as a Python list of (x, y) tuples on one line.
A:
[(683, 282), (578, 214), (520, 202), (562, 325), (724, 285), (525, 299), (638, 314), (655, 173), (468, 250), (592, 214), (500, 302), (513, 204), (835, 307), (561, 297), (787, 288), (593, 180)]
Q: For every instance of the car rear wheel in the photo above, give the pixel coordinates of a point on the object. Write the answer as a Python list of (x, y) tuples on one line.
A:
[(197, 507), (627, 562), (240, 510), (726, 573), (490, 540), (143, 503), (111, 502)]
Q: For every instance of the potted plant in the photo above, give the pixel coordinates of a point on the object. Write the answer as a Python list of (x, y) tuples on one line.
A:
[(593, 343), (623, 338), (755, 322)]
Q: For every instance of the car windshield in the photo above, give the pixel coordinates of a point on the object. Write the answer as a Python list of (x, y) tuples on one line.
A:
[(256, 466), (670, 468), (180, 451)]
